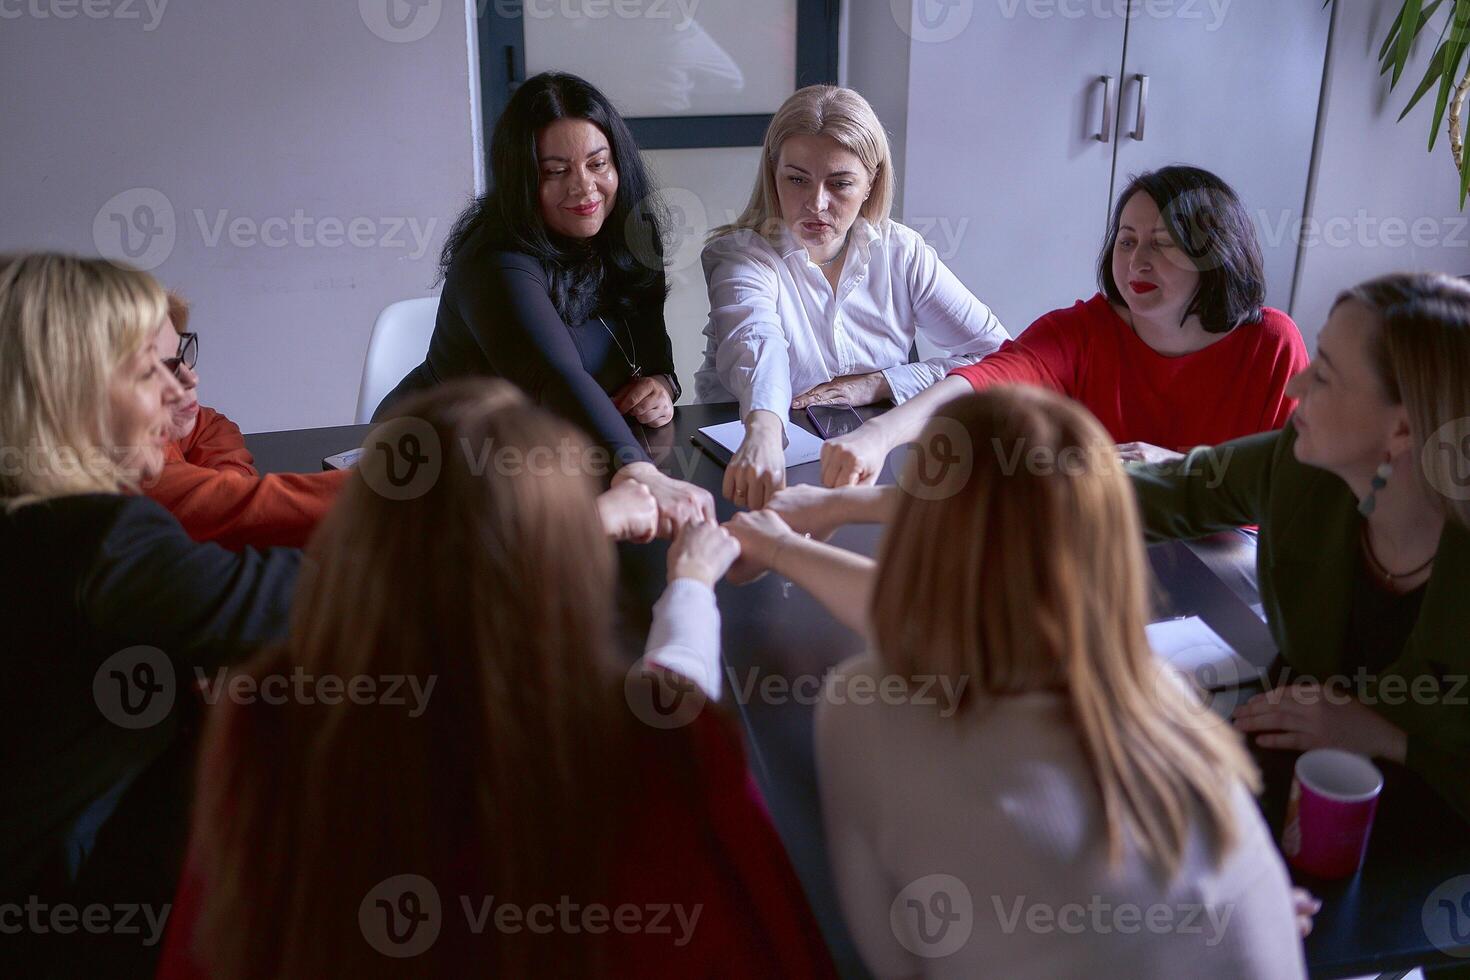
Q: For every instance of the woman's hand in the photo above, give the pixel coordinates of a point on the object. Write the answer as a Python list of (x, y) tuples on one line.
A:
[(1306, 715), (1143, 452), (629, 512), (648, 400), (679, 503), (761, 534), (809, 510), (1305, 905), (850, 389), (758, 468), (703, 551), (855, 458)]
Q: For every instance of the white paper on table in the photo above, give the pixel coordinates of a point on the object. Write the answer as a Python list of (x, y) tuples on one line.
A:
[(803, 447), (1192, 647)]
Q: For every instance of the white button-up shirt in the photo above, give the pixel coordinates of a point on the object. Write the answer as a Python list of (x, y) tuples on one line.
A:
[(777, 330)]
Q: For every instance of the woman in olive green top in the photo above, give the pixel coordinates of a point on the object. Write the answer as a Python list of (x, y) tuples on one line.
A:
[(1363, 502)]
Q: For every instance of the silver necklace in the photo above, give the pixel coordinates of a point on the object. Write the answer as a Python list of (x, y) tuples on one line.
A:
[(632, 361), (840, 253)]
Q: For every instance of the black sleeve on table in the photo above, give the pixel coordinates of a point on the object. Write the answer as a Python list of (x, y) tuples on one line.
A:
[(204, 606), (508, 309)]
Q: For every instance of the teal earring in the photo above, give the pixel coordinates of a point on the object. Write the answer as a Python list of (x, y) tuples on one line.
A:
[(1380, 480)]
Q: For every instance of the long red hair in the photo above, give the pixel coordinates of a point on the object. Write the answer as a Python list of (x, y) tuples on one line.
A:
[(496, 584)]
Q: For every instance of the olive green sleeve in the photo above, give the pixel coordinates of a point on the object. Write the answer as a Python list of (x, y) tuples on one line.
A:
[(1211, 489)]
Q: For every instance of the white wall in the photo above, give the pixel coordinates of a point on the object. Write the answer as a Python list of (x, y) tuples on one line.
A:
[(1375, 183), (703, 188), (262, 113), (874, 60)]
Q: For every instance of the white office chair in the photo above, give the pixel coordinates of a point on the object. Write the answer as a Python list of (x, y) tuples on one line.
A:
[(399, 342)]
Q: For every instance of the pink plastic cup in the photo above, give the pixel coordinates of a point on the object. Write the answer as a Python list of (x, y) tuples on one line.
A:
[(1330, 814)]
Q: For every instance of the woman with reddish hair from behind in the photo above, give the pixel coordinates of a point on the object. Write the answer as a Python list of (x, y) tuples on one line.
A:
[(523, 807)]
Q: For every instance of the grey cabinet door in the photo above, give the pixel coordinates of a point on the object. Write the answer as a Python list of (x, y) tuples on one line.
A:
[(1236, 92), (1004, 175)]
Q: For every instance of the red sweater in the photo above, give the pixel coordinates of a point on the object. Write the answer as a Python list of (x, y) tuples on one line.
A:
[(697, 835), (1235, 387), (210, 484)]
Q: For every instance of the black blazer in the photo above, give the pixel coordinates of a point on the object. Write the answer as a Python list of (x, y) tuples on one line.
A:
[(84, 580), (496, 319)]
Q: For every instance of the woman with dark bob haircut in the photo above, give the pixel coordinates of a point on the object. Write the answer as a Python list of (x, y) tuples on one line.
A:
[(1177, 349), (554, 280)]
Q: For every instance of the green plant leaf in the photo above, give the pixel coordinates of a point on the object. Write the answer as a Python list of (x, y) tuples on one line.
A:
[(1393, 32), (1424, 17), (1455, 49), (1434, 74), (1408, 30), (1464, 174)]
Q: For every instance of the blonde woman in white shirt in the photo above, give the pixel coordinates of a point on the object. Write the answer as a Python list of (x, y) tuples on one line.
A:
[(1024, 790), (816, 294)]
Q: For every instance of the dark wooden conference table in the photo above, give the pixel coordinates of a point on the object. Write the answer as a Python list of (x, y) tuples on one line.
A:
[(778, 639)]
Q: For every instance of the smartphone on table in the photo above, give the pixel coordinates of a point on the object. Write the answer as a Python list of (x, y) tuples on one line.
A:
[(831, 421)]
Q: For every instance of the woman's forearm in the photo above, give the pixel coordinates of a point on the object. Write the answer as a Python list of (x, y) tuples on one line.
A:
[(906, 422), (865, 505), (840, 580)]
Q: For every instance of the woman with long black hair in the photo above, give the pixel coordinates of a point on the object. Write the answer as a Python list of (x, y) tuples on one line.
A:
[(553, 280)]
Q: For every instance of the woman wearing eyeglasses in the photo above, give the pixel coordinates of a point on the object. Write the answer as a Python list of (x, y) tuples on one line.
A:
[(209, 481)]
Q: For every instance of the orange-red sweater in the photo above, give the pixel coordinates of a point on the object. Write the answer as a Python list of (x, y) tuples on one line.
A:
[(209, 482)]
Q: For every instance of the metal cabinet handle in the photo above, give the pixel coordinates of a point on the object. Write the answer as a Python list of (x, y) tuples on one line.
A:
[(1110, 99), (1142, 107), (515, 72)]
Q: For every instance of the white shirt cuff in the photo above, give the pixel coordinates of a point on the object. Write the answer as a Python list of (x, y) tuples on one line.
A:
[(685, 636)]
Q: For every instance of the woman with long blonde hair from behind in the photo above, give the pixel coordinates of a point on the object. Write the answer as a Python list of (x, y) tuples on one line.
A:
[(1043, 756), (817, 294)]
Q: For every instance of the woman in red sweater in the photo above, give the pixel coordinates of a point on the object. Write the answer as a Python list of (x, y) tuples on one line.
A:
[(501, 797), (1176, 351), (209, 481)]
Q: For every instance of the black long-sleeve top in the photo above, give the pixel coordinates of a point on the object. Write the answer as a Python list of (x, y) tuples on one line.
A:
[(83, 579), (496, 319)]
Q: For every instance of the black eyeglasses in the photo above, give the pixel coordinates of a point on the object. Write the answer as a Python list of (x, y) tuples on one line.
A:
[(188, 354)]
